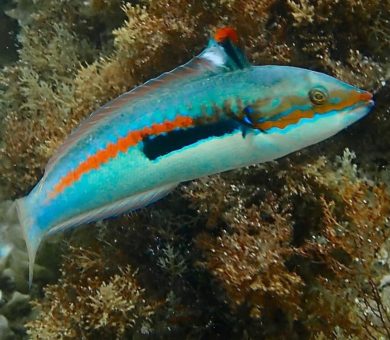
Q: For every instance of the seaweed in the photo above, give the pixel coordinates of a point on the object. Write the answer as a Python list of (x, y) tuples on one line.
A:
[(108, 303), (291, 249)]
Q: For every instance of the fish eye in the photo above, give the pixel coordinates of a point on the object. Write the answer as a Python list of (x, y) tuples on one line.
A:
[(318, 96)]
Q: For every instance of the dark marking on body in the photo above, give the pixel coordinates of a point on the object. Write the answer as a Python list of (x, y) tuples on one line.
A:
[(234, 53), (157, 146)]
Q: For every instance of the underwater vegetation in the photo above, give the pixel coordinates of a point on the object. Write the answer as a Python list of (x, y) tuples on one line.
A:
[(114, 302), (297, 248)]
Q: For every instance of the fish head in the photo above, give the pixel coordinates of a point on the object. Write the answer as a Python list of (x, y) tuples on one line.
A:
[(309, 106)]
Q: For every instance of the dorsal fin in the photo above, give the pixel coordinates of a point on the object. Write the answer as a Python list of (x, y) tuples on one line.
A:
[(227, 37), (221, 55), (225, 33)]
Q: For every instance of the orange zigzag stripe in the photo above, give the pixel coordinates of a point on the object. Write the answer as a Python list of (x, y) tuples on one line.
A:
[(295, 116), (94, 161)]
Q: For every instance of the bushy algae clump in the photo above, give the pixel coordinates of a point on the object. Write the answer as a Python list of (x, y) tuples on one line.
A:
[(296, 248), (324, 227), (101, 300)]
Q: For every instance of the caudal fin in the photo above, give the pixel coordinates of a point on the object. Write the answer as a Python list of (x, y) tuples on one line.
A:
[(31, 233)]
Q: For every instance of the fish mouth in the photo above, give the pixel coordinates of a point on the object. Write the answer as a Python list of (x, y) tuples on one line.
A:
[(365, 103), (360, 109), (368, 104), (366, 99), (366, 96)]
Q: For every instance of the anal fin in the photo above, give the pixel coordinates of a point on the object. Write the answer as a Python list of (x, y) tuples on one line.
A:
[(116, 208)]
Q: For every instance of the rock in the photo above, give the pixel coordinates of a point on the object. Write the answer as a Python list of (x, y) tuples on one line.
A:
[(5, 331), (385, 281), (16, 305)]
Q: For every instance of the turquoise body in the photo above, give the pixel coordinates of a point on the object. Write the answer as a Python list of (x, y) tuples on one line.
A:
[(211, 92)]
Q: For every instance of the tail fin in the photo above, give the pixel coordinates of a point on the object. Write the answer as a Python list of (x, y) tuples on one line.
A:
[(31, 233)]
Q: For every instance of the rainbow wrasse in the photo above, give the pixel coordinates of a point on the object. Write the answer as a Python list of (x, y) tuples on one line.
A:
[(215, 113)]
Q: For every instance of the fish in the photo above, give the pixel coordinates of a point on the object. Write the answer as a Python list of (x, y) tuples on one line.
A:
[(215, 113)]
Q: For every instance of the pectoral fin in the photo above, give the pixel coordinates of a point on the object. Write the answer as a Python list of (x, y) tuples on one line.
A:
[(249, 118)]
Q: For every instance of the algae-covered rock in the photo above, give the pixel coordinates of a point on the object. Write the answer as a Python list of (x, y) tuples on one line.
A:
[(5, 331), (8, 31)]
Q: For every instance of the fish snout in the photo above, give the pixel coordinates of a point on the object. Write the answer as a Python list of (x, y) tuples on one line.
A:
[(366, 98)]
